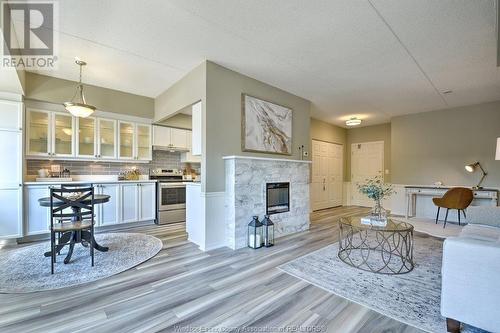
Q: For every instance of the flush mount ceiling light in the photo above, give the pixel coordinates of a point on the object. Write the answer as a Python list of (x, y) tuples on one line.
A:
[(353, 121), (78, 107)]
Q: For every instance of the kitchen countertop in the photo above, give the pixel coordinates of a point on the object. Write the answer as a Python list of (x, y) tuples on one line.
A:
[(76, 182), (192, 183)]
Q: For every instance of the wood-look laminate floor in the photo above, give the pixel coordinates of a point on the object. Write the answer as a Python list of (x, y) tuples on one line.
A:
[(183, 289)]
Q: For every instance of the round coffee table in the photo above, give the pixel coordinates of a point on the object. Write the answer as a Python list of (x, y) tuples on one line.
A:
[(378, 249)]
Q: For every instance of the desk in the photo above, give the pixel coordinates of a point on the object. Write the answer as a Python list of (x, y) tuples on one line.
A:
[(438, 191)]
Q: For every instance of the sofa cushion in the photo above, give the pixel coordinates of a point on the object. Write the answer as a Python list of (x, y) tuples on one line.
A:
[(481, 232), (487, 215)]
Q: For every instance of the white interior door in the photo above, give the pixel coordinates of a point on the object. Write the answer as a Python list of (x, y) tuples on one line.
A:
[(367, 161), (326, 182)]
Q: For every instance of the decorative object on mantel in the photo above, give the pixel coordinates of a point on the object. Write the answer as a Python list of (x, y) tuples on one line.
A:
[(78, 107), (268, 231), (471, 168), (375, 189), (255, 233), (266, 126)]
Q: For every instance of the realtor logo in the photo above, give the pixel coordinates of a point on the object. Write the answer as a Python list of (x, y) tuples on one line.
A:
[(29, 34)]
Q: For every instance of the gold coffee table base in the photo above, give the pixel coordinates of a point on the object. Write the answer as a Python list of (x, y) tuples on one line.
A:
[(382, 250)]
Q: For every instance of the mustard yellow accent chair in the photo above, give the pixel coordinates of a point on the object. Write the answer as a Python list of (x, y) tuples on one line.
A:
[(458, 198)]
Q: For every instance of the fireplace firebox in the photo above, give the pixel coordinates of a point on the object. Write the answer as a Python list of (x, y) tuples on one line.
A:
[(277, 198)]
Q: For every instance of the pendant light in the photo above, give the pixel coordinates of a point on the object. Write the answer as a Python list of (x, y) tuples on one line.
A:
[(78, 107)]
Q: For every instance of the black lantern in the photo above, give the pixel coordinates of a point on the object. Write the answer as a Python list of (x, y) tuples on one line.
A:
[(268, 230), (255, 233)]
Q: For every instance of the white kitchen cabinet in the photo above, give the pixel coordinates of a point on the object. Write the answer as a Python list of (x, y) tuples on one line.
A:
[(11, 169), (11, 216), (170, 137), (126, 140), (49, 134), (38, 133), (106, 138), (108, 213), (86, 137), (11, 194), (129, 208), (37, 217), (62, 135), (143, 149), (138, 202), (147, 201), (11, 114), (161, 136), (178, 138), (58, 135), (188, 157), (196, 137)]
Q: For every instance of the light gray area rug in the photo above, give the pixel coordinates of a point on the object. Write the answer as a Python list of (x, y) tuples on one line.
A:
[(413, 298), (429, 227), (25, 269)]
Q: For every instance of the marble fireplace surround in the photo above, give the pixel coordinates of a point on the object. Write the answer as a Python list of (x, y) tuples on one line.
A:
[(245, 195)]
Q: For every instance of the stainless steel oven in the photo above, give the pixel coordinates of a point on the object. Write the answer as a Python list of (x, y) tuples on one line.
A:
[(170, 195)]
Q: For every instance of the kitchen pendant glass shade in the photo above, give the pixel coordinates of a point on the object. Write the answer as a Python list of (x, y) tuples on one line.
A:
[(353, 121), (78, 107)]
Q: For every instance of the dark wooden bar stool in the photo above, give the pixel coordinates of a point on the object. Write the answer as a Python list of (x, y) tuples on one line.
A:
[(72, 226), (458, 198)]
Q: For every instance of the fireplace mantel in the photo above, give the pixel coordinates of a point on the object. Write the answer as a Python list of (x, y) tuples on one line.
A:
[(245, 195), (264, 159)]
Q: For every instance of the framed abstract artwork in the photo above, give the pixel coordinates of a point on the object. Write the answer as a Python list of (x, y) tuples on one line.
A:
[(266, 126)]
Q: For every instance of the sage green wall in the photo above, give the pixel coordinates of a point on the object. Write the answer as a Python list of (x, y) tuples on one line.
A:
[(53, 90), (435, 146), (223, 119), (367, 134), (323, 131), (179, 120), (187, 91)]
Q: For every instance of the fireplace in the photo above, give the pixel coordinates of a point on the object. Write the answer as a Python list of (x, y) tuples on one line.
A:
[(277, 198)]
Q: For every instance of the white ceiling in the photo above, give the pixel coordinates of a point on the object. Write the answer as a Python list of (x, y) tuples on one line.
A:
[(373, 58)]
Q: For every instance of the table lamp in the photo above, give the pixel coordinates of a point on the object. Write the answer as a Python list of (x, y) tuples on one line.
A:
[(472, 167)]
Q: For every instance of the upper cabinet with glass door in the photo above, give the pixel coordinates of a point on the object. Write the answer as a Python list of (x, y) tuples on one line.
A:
[(62, 138), (59, 135), (126, 133), (143, 150), (106, 139), (38, 133), (86, 146)]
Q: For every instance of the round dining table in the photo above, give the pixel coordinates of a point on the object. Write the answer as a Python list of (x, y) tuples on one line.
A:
[(76, 236)]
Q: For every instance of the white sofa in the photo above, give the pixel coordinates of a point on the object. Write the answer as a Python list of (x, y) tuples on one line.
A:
[(471, 272)]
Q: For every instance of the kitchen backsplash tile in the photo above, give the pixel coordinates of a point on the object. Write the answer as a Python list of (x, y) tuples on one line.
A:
[(161, 159)]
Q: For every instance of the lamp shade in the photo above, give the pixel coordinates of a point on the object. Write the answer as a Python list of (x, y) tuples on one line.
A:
[(79, 109), (471, 167), (497, 155)]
